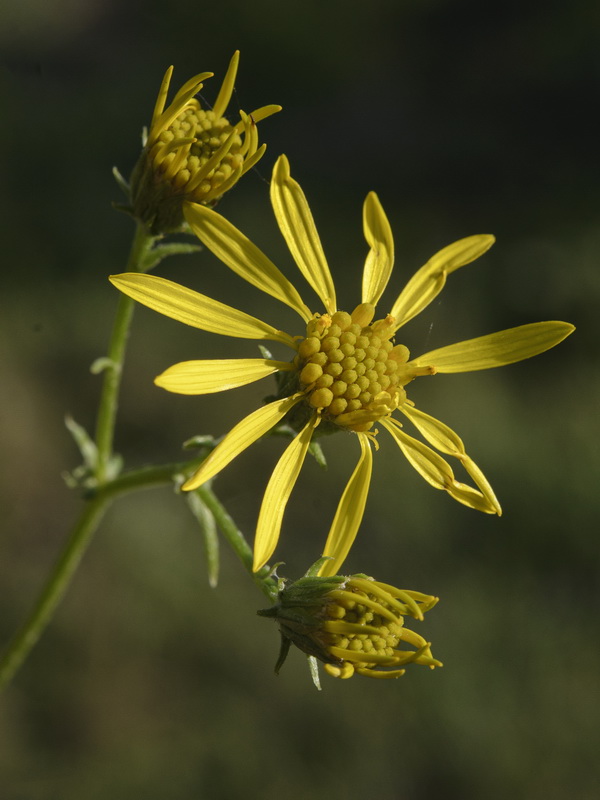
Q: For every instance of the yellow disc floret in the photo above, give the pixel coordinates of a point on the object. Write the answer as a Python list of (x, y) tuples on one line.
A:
[(350, 369)]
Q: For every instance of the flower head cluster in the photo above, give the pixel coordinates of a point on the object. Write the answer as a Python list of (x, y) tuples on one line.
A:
[(192, 153), (347, 371), (355, 625)]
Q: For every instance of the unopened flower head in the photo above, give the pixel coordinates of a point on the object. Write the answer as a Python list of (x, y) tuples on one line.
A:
[(347, 371), (354, 625), (192, 153)]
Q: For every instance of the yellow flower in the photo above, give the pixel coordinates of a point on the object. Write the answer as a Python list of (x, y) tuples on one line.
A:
[(354, 625), (193, 154), (346, 373)]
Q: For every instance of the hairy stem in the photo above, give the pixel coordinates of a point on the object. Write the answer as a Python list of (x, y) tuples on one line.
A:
[(72, 553), (236, 539), (109, 399)]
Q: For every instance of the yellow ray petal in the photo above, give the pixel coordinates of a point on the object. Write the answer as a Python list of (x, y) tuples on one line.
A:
[(496, 349), (181, 99), (195, 309), (380, 259), (350, 510), (298, 228), (241, 437), (242, 256), (162, 96), (277, 493), (438, 472), (470, 497), (447, 441), (428, 464), (428, 282), (205, 377), (226, 89)]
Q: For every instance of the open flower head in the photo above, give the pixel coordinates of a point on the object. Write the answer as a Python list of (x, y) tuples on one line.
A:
[(354, 625), (348, 372), (193, 153)]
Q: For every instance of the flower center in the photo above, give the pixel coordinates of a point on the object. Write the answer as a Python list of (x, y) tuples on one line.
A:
[(210, 133), (351, 370), (382, 643)]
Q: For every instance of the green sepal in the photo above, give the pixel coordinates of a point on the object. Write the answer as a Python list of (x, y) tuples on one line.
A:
[(121, 182), (85, 474), (85, 444), (313, 667), (313, 570), (154, 256), (316, 451), (208, 526), (199, 442), (284, 649), (102, 363), (123, 209)]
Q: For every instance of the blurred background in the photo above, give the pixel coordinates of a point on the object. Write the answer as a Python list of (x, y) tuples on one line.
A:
[(465, 119)]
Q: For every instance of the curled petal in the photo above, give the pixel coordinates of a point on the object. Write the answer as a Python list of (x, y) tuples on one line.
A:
[(447, 441), (428, 464), (438, 472)]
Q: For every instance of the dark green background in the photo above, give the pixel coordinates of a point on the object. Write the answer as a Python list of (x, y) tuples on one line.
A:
[(465, 118)]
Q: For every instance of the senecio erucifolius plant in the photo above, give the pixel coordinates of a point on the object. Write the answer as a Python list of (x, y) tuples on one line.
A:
[(347, 371)]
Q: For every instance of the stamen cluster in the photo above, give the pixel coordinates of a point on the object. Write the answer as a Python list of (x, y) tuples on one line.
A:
[(351, 370), (383, 633), (210, 133)]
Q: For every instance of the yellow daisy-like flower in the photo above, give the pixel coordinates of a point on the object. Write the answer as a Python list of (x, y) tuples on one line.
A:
[(354, 625), (193, 154), (347, 373)]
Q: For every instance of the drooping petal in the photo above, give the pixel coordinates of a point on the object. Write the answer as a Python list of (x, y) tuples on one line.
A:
[(380, 259), (205, 377), (436, 470), (195, 309), (470, 497), (241, 437), (226, 89), (277, 494), (447, 441), (428, 464), (242, 256), (428, 282), (496, 349), (350, 510), (299, 231)]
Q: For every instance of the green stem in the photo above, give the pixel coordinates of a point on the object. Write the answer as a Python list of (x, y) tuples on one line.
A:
[(236, 539), (76, 545), (61, 575), (107, 410)]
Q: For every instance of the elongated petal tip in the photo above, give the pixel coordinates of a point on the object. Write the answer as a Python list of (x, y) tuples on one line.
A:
[(281, 170)]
